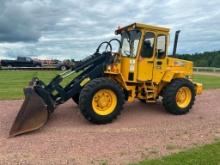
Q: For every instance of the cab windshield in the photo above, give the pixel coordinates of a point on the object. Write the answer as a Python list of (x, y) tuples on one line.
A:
[(130, 41)]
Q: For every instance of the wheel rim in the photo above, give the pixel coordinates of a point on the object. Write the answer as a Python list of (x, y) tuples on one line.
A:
[(63, 68), (104, 102), (183, 97)]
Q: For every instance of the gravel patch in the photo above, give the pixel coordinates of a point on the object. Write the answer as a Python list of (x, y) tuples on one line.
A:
[(142, 131)]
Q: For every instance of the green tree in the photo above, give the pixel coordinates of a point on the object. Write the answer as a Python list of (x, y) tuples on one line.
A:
[(205, 59)]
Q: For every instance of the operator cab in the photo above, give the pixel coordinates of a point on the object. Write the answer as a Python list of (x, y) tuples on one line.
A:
[(143, 52)]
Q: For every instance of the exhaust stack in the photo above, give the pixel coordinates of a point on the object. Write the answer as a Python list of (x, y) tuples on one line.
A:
[(175, 42)]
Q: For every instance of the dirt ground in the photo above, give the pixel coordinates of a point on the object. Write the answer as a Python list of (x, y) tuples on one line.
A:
[(142, 131)]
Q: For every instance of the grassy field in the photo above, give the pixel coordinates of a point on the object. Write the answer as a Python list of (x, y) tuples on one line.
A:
[(205, 155), (13, 82), (209, 82)]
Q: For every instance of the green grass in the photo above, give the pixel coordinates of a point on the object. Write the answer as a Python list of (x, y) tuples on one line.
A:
[(13, 82), (209, 82), (205, 155)]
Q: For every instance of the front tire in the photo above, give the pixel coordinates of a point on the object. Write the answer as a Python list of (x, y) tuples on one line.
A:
[(76, 98), (101, 100), (179, 96)]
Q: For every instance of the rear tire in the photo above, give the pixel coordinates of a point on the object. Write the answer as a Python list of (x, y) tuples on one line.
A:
[(179, 96), (101, 100)]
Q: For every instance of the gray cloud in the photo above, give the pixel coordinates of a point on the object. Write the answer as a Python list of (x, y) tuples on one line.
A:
[(72, 29), (23, 20)]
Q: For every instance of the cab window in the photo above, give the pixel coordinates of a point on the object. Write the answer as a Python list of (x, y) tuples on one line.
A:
[(148, 45), (28, 59), (130, 41), (161, 46)]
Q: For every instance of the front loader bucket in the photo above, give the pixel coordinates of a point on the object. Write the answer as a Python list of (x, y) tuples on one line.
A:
[(33, 114)]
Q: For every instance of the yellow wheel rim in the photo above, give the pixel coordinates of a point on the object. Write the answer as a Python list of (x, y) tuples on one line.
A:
[(183, 97), (104, 102)]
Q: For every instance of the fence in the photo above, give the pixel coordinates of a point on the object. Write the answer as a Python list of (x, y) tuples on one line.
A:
[(206, 69), (28, 68)]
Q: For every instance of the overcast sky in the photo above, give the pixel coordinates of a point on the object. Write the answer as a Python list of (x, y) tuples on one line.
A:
[(73, 28)]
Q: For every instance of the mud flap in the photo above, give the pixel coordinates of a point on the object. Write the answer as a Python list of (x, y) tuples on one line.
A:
[(33, 114)]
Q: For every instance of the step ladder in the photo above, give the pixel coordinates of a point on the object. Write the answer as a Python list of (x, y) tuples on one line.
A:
[(150, 92)]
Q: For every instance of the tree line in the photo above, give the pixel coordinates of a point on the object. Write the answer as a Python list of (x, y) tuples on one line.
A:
[(205, 59)]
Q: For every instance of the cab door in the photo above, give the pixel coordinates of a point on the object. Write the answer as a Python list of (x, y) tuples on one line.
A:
[(160, 62), (146, 57)]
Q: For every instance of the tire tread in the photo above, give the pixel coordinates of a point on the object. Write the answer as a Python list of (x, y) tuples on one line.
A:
[(169, 94), (86, 98)]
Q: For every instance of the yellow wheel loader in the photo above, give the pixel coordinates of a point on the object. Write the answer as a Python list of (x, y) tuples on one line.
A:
[(140, 69)]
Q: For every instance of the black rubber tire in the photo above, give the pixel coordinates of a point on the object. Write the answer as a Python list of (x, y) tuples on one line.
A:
[(169, 96), (86, 96), (76, 98)]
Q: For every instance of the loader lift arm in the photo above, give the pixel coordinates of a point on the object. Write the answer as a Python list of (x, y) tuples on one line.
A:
[(40, 100), (91, 67)]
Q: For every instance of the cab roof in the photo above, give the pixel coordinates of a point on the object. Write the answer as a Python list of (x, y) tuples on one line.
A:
[(142, 26)]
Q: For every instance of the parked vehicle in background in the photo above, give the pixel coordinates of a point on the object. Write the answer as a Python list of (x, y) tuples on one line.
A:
[(21, 62), (66, 64), (62, 66), (49, 62)]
